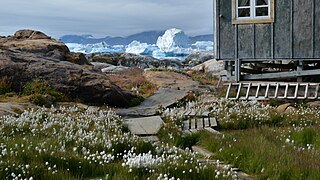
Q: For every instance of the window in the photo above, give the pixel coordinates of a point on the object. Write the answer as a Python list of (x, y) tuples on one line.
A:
[(252, 11)]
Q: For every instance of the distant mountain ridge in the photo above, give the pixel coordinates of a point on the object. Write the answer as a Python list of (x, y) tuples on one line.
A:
[(149, 37)]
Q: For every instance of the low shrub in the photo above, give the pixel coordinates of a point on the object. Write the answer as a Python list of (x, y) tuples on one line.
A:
[(204, 78), (36, 87), (189, 140), (42, 93), (5, 85)]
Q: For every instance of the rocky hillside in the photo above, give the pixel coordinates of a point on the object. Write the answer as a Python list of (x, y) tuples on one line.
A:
[(31, 55)]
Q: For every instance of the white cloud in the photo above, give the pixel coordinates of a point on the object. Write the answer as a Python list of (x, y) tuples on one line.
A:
[(106, 17)]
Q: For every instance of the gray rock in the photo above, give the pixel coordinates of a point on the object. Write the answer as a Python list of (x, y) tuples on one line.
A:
[(14, 108), (114, 69), (198, 57), (144, 125), (314, 104), (132, 60), (212, 66), (164, 97), (23, 60), (282, 108)]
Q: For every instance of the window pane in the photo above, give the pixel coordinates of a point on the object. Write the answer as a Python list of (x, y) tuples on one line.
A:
[(261, 2), (245, 12), (243, 3), (263, 11)]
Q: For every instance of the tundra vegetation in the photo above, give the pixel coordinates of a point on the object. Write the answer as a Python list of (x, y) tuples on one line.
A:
[(69, 142)]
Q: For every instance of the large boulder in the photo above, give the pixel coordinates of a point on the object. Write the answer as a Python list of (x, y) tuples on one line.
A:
[(24, 58), (198, 57), (30, 34), (214, 67)]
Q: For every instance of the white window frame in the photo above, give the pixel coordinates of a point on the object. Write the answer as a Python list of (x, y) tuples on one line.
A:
[(253, 17)]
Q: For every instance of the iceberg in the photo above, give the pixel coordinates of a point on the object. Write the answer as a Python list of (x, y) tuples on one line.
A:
[(174, 43), (94, 48), (135, 47), (203, 45), (172, 39)]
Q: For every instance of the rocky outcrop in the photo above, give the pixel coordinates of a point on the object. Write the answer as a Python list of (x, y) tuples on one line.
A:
[(196, 58), (14, 108), (213, 67), (132, 60), (31, 55)]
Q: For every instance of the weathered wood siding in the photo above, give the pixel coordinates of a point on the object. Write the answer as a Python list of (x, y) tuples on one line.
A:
[(283, 29), (302, 28), (227, 35), (317, 29), (295, 33)]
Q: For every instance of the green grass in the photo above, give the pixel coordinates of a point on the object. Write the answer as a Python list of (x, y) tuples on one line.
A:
[(73, 143), (264, 153)]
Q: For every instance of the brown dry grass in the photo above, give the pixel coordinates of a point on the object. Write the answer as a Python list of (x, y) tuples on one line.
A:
[(203, 78), (15, 98), (134, 81)]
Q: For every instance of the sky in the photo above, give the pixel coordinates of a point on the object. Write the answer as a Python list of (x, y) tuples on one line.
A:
[(102, 18)]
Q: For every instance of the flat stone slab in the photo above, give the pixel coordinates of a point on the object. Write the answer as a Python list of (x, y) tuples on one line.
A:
[(13, 108), (144, 125), (164, 97)]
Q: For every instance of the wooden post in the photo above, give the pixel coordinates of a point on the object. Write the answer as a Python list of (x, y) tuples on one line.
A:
[(300, 68), (237, 70)]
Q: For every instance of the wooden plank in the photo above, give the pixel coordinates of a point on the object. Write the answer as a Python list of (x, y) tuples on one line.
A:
[(254, 41), (272, 40), (248, 91), (258, 89), (316, 91), (206, 122), (267, 91), (263, 41), (239, 90), (282, 59), (317, 29), (185, 125), (226, 32), (228, 91), (213, 122), (281, 75), (237, 70), (274, 65), (276, 91), (306, 91), (313, 25), (199, 123), (216, 28), (193, 124), (302, 29), (245, 41), (282, 29)]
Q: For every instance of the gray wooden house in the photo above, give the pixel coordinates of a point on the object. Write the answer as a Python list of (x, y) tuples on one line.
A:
[(268, 40)]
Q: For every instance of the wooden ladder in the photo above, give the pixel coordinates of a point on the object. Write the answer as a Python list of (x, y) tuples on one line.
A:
[(272, 90)]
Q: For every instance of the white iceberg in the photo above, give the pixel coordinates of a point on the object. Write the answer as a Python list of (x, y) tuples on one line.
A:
[(172, 39), (135, 47), (93, 48), (203, 45)]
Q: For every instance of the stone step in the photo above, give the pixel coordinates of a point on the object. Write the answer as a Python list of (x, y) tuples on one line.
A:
[(203, 152)]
